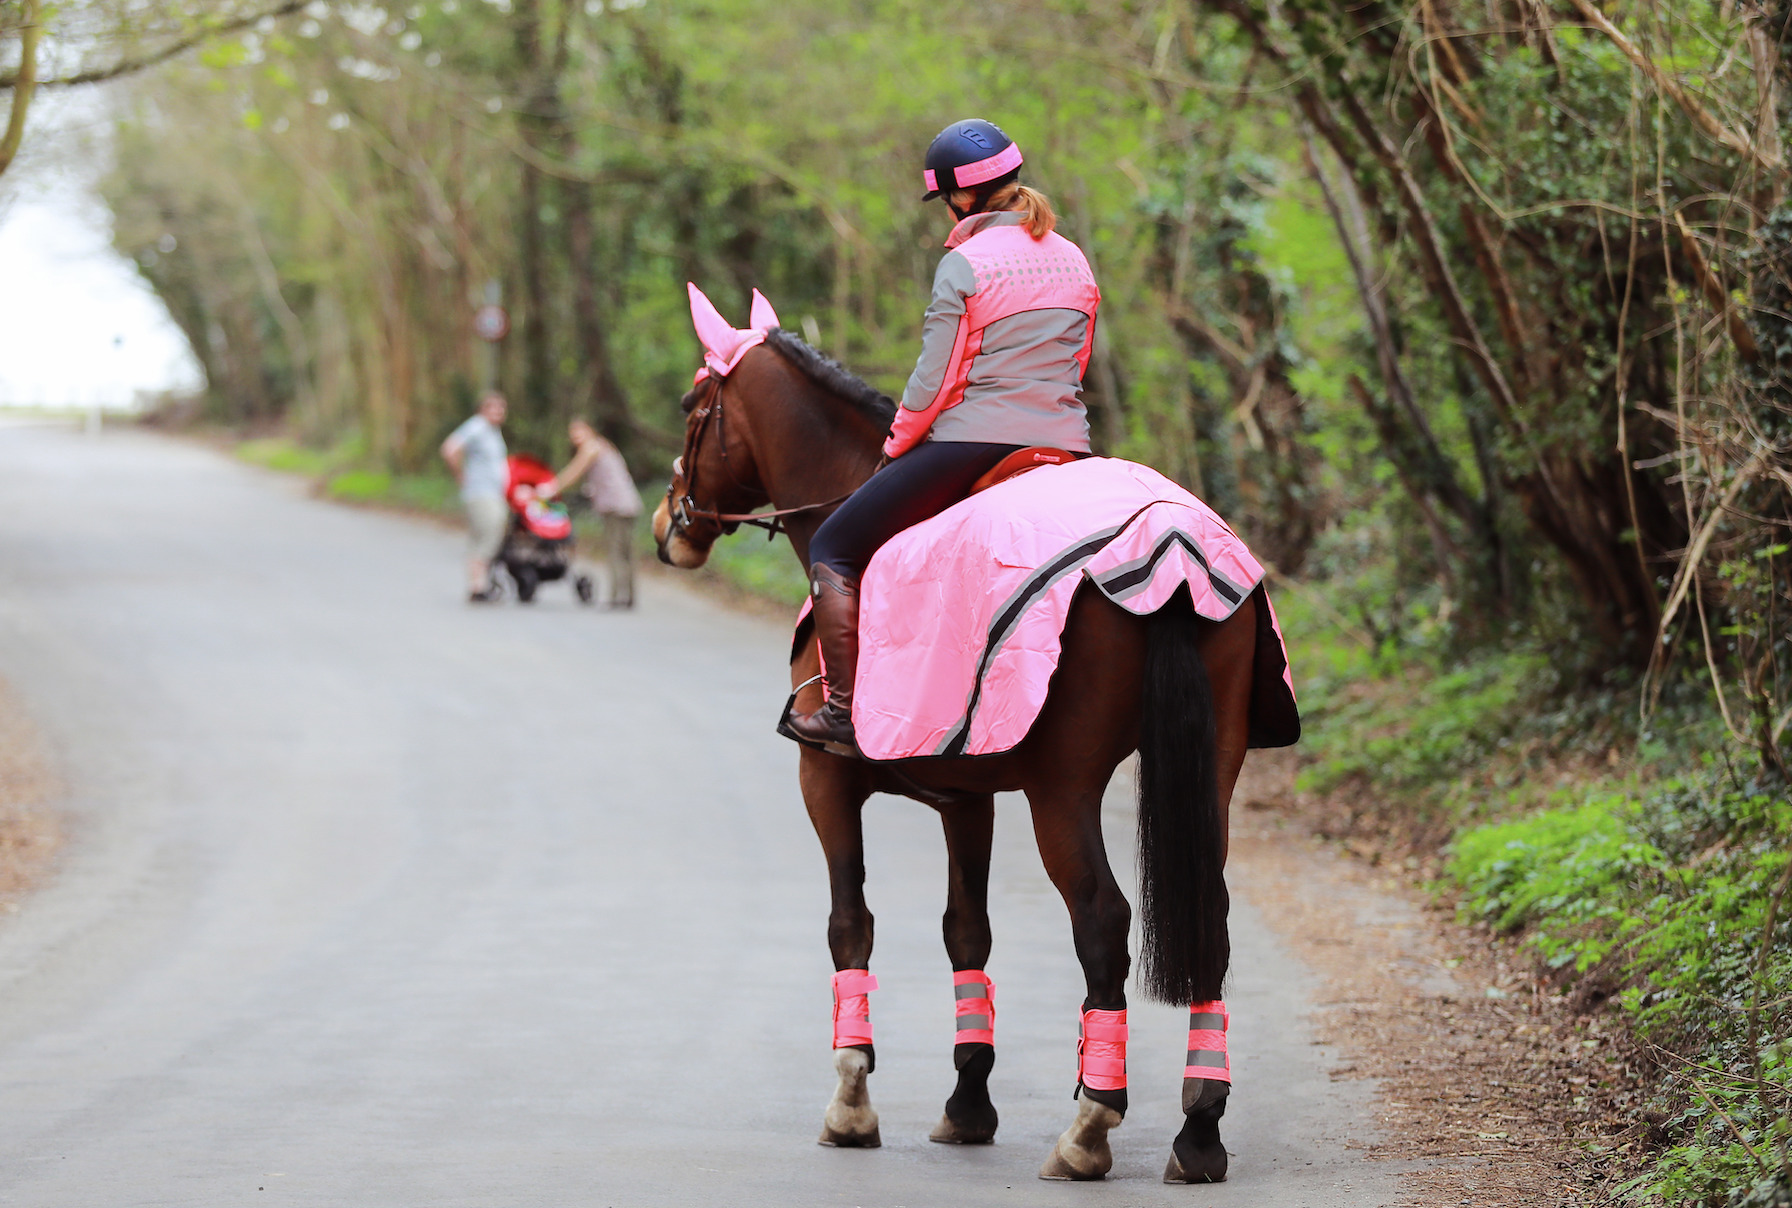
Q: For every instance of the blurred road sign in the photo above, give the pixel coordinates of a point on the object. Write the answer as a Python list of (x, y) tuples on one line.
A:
[(491, 323)]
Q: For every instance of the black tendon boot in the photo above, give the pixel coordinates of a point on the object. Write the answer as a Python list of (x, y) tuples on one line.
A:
[(1197, 1155), (835, 605)]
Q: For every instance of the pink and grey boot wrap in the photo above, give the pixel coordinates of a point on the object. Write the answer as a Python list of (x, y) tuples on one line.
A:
[(852, 1007)]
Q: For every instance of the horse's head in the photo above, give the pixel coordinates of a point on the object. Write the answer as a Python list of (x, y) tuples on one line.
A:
[(716, 479)]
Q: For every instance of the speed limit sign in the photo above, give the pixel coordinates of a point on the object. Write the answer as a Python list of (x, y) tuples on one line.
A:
[(491, 323)]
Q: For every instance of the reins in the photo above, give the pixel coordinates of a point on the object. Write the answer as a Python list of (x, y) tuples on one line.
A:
[(684, 508)]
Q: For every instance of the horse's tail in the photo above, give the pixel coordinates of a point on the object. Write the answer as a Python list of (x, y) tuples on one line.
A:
[(1182, 882)]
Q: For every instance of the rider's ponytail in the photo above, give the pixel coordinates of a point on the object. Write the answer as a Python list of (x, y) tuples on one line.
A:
[(1039, 218)]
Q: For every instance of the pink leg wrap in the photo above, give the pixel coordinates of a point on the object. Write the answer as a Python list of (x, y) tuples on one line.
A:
[(1208, 1023), (1101, 1052), (976, 1007), (852, 1007)]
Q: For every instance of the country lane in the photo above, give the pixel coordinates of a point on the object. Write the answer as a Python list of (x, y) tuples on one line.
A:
[(373, 898)]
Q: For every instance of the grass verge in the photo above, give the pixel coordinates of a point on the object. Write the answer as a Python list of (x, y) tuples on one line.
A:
[(339, 475)]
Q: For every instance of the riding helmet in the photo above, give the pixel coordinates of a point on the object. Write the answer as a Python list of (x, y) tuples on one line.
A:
[(966, 154)]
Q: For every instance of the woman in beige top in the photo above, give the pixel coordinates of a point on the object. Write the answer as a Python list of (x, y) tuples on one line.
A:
[(613, 497)]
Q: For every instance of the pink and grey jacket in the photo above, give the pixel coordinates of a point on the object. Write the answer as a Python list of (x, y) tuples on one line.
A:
[(1005, 342)]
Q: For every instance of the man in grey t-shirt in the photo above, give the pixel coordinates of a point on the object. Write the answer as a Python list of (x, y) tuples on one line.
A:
[(475, 452)]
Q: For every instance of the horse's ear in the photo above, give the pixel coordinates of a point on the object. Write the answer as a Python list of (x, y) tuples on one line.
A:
[(718, 336), (764, 317)]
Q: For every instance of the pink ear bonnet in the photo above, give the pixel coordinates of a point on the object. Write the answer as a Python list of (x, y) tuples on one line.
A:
[(763, 316), (723, 344)]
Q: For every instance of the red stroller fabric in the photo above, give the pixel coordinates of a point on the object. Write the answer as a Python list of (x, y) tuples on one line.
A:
[(542, 520)]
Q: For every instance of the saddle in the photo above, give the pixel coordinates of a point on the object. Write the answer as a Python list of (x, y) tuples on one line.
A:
[(1022, 460)]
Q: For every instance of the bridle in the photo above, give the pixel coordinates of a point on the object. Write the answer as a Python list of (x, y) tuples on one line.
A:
[(683, 508)]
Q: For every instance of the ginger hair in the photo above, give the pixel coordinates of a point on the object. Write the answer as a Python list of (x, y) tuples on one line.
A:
[(1040, 219)]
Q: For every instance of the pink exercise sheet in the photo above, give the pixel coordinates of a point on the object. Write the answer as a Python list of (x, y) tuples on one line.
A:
[(960, 616)]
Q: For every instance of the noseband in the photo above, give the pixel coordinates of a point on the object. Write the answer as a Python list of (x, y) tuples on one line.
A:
[(684, 509)]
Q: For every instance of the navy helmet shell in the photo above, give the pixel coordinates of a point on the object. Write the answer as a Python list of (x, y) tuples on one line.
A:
[(966, 154)]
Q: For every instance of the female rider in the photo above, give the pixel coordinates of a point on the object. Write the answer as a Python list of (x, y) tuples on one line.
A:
[(1004, 346)]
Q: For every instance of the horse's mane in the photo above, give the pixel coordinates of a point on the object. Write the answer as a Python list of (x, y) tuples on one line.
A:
[(833, 377)]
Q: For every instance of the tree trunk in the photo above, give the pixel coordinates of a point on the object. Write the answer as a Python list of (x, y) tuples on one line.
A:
[(608, 404), (23, 85)]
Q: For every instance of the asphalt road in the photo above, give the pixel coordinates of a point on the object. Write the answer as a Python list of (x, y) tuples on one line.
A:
[(372, 898)]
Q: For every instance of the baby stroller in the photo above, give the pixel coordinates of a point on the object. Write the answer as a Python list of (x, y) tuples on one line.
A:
[(537, 545)]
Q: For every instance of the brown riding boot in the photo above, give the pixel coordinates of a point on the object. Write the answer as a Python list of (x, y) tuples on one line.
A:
[(835, 606)]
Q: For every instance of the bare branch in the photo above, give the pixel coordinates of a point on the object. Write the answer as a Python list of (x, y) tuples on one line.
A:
[(1695, 553), (155, 58), (1740, 335), (1689, 105)]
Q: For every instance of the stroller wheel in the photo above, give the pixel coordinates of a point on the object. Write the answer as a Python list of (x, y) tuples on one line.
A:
[(526, 583), (582, 585)]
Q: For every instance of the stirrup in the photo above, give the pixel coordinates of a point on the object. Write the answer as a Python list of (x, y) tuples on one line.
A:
[(789, 731)]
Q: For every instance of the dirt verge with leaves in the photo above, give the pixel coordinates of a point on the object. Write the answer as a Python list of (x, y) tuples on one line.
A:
[(29, 830)]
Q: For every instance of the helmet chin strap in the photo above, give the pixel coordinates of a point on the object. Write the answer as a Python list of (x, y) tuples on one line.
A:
[(979, 202), (981, 196)]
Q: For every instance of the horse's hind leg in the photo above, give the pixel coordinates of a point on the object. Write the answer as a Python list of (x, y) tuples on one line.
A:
[(834, 790), (1067, 826), (970, 1117), (1090, 722), (1228, 651)]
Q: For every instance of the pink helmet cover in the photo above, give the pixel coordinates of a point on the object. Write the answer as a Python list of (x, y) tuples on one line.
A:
[(1000, 164)]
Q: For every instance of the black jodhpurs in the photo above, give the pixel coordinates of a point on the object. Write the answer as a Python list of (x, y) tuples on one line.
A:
[(922, 483)]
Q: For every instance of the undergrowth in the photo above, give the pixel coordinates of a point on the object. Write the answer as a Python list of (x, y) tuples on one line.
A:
[(1672, 902), (1645, 868), (1422, 742)]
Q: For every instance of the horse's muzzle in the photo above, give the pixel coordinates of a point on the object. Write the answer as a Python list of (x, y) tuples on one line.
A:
[(674, 546)]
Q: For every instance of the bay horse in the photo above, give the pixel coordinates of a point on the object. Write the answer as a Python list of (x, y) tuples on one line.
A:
[(788, 428)]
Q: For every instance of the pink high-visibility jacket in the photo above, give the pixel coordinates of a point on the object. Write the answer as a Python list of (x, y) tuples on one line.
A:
[(1005, 341)]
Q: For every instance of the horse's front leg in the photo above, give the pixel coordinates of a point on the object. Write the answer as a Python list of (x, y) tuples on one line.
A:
[(1067, 827), (970, 1117), (834, 791)]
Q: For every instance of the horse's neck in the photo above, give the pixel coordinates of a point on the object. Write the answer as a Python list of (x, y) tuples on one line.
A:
[(814, 452)]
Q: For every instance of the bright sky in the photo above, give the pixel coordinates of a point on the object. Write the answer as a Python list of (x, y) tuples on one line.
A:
[(78, 326)]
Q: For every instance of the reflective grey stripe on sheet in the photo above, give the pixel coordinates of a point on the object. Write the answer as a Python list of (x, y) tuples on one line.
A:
[(1135, 576), (1117, 585), (1009, 616)]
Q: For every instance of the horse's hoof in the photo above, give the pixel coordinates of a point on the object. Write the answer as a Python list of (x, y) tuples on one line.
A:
[(970, 1118), (1082, 1153), (1197, 1165), (948, 1132), (1197, 1155), (851, 1121), (840, 1140)]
